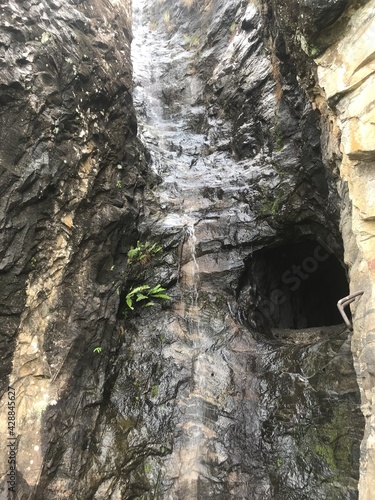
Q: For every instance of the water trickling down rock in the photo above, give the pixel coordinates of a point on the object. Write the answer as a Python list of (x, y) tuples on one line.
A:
[(215, 393)]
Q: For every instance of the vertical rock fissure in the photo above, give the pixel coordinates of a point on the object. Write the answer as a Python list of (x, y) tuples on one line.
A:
[(175, 153)]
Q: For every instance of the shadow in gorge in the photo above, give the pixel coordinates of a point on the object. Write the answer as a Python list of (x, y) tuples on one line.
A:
[(293, 286)]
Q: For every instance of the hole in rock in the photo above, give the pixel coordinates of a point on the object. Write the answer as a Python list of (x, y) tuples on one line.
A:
[(296, 286)]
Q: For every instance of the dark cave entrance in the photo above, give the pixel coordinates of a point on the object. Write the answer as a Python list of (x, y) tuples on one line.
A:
[(296, 286)]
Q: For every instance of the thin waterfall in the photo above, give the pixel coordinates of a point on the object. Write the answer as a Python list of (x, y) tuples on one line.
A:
[(184, 466), (189, 453)]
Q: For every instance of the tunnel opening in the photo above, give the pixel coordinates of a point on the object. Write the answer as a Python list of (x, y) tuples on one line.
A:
[(295, 286)]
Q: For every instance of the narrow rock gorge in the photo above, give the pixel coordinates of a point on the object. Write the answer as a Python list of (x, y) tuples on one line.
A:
[(187, 191)]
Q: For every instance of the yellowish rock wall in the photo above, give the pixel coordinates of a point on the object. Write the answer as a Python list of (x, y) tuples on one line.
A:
[(346, 76)]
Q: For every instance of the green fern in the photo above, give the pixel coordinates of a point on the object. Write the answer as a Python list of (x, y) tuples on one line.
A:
[(143, 293), (137, 293)]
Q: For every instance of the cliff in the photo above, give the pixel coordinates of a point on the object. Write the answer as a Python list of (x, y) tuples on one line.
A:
[(68, 141), (341, 88), (233, 155)]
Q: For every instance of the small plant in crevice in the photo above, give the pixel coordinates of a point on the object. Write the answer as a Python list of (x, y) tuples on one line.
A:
[(232, 31), (143, 252), (167, 16), (145, 295), (277, 168), (192, 40), (138, 274), (270, 207), (154, 391), (167, 21), (98, 350)]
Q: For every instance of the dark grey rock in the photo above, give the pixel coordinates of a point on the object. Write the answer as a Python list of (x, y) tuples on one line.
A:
[(214, 393)]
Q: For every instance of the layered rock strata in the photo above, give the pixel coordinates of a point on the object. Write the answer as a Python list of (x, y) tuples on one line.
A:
[(346, 75), (71, 168)]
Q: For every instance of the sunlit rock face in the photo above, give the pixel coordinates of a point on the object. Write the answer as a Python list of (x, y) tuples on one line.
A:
[(346, 74), (241, 385)]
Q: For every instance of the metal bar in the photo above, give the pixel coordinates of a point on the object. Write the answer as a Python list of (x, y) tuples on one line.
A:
[(345, 301)]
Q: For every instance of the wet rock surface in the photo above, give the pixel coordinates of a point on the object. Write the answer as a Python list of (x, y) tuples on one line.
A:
[(236, 146), (71, 168), (201, 395)]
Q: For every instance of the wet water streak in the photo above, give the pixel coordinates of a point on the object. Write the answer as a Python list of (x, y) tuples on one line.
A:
[(185, 464)]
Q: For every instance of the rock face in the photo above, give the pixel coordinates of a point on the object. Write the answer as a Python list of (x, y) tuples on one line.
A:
[(246, 198), (346, 76), (241, 385), (71, 168), (342, 89)]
